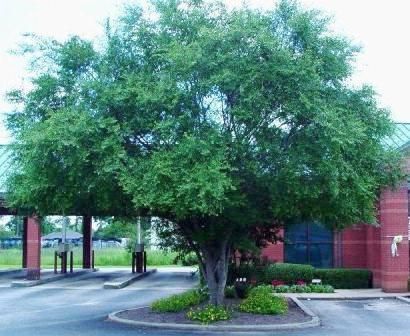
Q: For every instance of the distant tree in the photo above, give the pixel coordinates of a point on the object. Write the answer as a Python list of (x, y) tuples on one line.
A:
[(15, 226), (114, 227), (47, 226), (225, 124)]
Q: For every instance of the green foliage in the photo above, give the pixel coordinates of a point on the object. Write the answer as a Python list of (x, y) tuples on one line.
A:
[(189, 259), (303, 289), (67, 169), (322, 288), (261, 290), (209, 314), (116, 228), (103, 257), (219, 122), (179, 302), (230, 292), (345, 278), (262, 301), (5, 233), (292, 273), (289, 273)]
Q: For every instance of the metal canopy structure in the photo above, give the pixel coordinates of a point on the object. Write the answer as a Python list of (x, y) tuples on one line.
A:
[(401, 137)]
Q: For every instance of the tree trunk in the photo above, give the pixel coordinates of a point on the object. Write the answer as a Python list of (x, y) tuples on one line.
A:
[(215, 270)]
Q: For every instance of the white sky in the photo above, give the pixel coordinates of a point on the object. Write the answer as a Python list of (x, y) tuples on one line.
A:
[(381, 27)]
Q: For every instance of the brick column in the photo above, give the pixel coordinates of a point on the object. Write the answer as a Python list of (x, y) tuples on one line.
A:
[(373, 253), (24, 243), (394, 221), (33, 243), (87, 241), (337, 249)]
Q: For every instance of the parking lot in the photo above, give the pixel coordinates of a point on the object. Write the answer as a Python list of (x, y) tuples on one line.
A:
[(79, 306)]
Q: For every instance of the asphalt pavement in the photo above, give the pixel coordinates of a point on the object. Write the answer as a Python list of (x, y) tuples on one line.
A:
[(80, 306)]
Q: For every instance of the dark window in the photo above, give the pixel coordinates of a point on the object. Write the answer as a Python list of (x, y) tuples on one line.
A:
[(309, 243)]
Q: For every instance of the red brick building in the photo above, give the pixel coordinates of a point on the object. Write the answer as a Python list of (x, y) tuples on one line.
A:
[(361, 246)]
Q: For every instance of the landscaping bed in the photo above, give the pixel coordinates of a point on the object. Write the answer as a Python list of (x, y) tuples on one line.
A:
[(258, 309), (293, 315)]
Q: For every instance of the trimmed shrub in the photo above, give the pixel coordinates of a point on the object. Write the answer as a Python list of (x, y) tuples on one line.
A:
[(261, 290), (297, 274), (321, 288), (281, 289), (179, 302), (230, 292), (209, 314), (303, 289), (262, 301), (345, 278), (288, 273)]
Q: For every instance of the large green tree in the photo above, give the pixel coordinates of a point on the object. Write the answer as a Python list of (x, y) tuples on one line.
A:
[(223, 123)]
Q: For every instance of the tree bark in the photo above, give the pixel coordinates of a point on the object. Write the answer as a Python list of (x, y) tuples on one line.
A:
[(215, 264)]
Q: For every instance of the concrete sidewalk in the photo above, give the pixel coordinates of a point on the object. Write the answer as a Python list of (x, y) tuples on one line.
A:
[(344, 294)]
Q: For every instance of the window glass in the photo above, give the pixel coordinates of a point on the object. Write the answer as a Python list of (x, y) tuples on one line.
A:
[(309, 243), (296, 254), (319, 233), (321, 255), (296, 233)]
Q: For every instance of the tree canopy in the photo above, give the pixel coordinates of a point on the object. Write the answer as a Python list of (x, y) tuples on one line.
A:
[(223, 123)]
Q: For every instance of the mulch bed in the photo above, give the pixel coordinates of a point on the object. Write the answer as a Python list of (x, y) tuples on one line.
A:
[(294, 315)]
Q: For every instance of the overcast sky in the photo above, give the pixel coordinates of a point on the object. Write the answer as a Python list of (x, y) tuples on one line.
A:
[(381, 27)]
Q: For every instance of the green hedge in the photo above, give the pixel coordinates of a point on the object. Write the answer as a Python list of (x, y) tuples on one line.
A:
[(290, 273), (345, 278)]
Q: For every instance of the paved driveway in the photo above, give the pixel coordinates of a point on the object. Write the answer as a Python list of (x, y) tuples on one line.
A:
[(67, 309)]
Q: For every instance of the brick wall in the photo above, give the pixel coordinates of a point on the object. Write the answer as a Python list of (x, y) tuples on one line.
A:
[(275, 252), (354, 250)]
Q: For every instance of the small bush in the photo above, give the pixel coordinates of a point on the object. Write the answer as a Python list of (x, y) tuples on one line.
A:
[(289, 273), (230, 292), (345, 278), (303, 289), (189, 259), (179, 302), (241, 289), (300, 289), (281, 289), (262, 301), (261, 290), (321, 289), (209, 314)]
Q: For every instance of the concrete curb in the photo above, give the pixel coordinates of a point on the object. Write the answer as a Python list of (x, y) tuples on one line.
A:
[(403, 299), (125, 281), (9, 271), (53, 278), (314, 322), (347, 295), (343, 298)]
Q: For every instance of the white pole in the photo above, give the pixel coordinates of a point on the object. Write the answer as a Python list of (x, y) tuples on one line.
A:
[(139, 230), (64, 232)]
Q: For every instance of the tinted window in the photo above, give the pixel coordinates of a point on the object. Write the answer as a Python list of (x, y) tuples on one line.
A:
[(309, 243)]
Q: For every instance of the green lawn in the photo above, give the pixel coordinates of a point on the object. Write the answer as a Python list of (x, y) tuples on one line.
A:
[(10, 258)]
